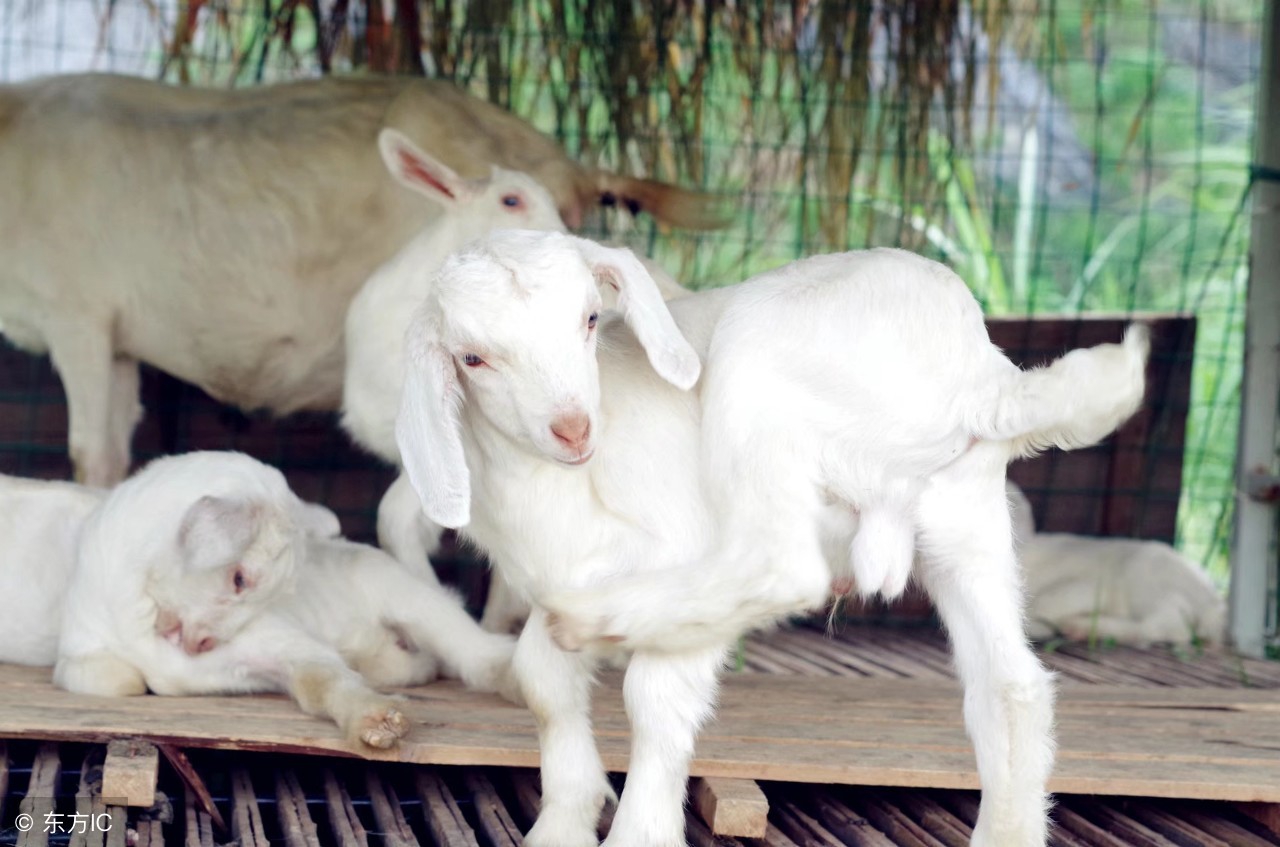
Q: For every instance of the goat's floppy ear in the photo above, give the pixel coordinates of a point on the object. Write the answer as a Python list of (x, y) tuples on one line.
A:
[(428, 434), (414, 168), (645, 312), (216, 530)]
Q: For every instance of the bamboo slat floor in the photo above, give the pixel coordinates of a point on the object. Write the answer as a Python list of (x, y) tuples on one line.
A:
[(310, 801)]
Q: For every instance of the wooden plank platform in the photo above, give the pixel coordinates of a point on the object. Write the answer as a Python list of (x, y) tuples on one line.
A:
[(1219, 744)]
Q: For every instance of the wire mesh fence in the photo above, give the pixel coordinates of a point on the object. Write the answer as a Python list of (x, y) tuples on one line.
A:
[(1067, 157)]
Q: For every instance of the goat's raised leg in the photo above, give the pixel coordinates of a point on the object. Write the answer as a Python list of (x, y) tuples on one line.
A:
[(668, 699), (970, 571), (557, 687)]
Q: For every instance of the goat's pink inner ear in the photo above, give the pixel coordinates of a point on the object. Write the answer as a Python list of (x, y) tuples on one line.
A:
[(416, 170)]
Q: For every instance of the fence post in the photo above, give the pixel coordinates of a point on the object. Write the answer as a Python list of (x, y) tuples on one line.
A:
[(1253, 553)]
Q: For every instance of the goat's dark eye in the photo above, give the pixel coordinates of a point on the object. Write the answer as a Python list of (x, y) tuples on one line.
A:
[(471, 360), (238, 581), (512, 201), (591, 321)]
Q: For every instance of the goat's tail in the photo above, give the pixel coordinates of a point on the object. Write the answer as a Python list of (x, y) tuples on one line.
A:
[(1074, 402), (670, 204)]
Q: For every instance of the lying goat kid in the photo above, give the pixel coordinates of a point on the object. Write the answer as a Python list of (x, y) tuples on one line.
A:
[(204, 574), (40, 524), (568, 445), (1128, 590)]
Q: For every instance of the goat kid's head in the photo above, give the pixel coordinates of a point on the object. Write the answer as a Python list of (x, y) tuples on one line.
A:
[(506, 200), (510, 329), (234, 550)]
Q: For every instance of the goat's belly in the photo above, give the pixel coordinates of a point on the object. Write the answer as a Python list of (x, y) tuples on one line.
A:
[(285, 370)]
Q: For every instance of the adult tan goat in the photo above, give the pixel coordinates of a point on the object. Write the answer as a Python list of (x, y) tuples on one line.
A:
[(220, 235)]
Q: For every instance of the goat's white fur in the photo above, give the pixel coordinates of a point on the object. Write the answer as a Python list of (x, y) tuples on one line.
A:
[(381, 313), (1128, 590), (40, 525), (204, 574), (836, 383), (253, 217)]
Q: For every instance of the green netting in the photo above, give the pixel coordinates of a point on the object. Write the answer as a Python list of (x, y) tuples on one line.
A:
[(1065, 156)]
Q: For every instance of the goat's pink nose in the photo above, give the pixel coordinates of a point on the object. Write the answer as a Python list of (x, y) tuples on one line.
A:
[(195, 648), (572, 430)]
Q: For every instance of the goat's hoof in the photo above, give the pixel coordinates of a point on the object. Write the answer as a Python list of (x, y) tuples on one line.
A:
[(547, 831), (383, 726)]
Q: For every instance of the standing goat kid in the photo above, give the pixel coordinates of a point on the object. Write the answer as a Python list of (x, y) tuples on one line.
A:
[(569, 446)]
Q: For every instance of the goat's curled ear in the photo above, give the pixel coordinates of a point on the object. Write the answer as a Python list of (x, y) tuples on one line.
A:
[(644, 310), (216, 530), (417, 170), (427, 430)]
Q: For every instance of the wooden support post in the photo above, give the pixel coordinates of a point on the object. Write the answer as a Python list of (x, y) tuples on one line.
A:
[(735, 807), (130, 771)]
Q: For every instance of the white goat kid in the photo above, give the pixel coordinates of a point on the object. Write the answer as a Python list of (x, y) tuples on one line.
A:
[(40, 525), (670, 521), (1126, 589), (204, 574), (380, 313)]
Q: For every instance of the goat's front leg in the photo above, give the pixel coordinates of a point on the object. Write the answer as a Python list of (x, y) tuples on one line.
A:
[(405, 532), (557, 687), (668, 699), (99, 417)]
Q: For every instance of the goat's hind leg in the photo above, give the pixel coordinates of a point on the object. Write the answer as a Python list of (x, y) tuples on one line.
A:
[(433, 619), (969, 570)]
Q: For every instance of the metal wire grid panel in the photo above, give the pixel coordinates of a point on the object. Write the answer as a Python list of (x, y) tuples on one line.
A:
[(1067, 157)]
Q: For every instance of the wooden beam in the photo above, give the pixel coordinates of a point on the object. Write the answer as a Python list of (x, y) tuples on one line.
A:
[(735, 807), (130, 772), (38, 802)]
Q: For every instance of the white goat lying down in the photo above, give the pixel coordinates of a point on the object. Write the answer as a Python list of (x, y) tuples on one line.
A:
[(1124, 589), (253, 217), (204, 574), (839, 389), (39, 530)]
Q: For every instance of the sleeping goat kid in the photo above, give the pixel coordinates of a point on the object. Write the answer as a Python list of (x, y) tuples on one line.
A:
[(204, 574), (1125, 589), (40, 524), (639, 513), (247, 304)]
